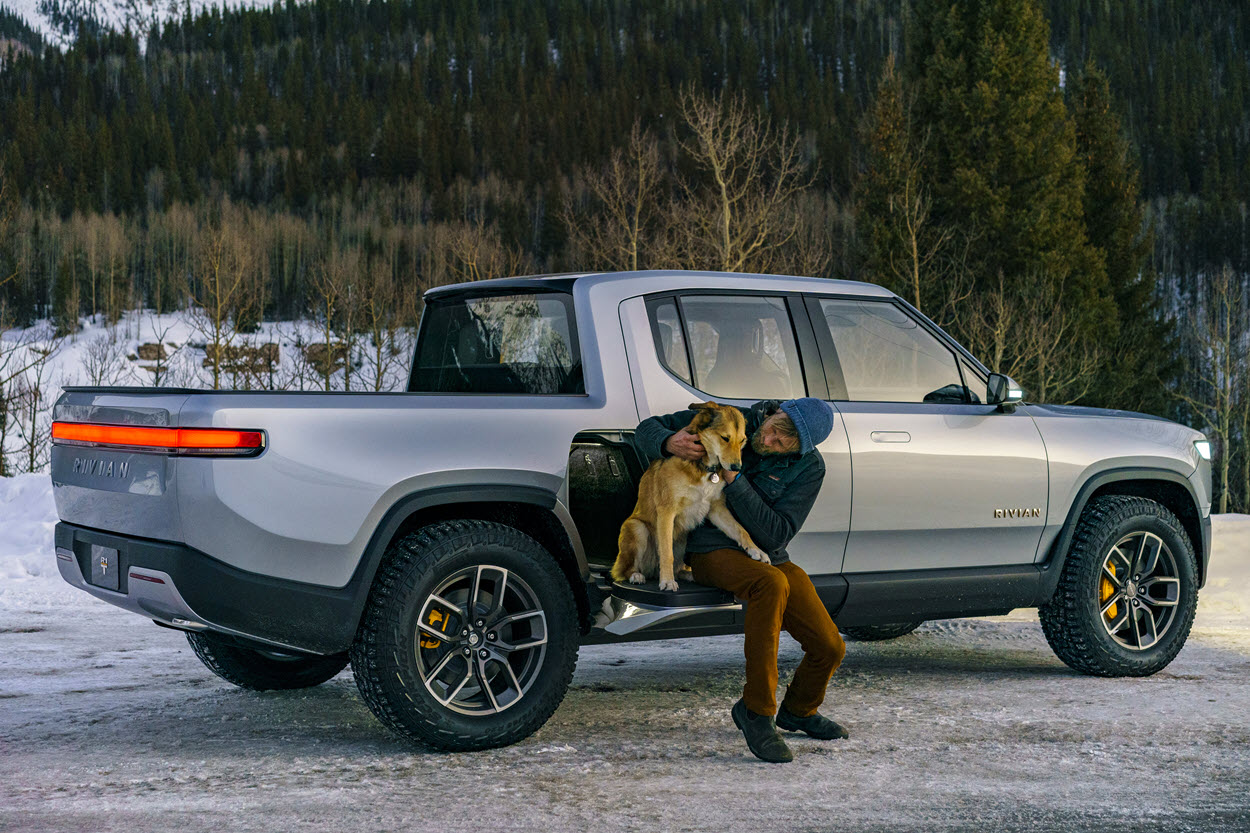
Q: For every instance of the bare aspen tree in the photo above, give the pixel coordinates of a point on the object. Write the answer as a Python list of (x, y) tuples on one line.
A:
[(104, 361), (37, 397), (220, 288), (628, 191), (1218, 329), (476, 252), (114, 251), (1028, 336), (338, 298), (384, 315), (736, 220), (165, 353), (21, 352)]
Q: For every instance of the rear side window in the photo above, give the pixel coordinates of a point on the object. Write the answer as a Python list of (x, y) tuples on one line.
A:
[(740, 346), (520, 343), (886, 356), (670, 341)]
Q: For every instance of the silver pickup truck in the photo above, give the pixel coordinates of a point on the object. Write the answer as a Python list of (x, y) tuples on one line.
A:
[(452, 542)]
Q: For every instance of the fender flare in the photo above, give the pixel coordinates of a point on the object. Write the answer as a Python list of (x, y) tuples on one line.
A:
[(1052, 567), (362, 578)]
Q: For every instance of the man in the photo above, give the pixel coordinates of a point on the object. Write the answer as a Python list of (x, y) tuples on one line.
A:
[(772, 495)]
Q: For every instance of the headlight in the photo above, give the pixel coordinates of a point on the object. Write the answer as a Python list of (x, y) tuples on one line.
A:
[(1204, 448)]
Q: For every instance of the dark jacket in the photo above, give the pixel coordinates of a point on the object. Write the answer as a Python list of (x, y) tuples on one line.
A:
[(770, 498)]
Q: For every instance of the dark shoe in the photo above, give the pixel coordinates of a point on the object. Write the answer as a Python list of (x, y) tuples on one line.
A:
[(761, 735), (817, 725)]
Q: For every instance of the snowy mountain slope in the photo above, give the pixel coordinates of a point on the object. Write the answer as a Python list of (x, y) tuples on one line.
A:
[(113, 12)]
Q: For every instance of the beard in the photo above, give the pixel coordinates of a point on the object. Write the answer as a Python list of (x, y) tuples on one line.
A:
[(757, 444)]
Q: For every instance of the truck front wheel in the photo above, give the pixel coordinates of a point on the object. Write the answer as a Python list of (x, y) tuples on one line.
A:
[(260, 669), (1128, 591), (469, 637)]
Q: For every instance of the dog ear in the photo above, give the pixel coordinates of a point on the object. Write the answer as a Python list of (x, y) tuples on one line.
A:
[(704, 414), (699, 406)]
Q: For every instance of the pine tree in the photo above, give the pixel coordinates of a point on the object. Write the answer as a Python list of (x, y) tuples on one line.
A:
[(898, 245), (1141, 364), (1001, 161)]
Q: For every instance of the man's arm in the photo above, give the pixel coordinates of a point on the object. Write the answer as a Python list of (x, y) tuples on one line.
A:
[(651, 433), (772, 527)]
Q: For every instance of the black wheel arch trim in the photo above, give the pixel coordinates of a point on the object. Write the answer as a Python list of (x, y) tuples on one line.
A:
[(1052, 567), (408, 506)]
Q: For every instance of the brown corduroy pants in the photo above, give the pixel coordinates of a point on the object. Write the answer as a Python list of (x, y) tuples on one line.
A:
[(777, 596)]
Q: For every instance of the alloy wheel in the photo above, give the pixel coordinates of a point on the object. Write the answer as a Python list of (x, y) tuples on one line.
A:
[(480, 640), (1139, 589)]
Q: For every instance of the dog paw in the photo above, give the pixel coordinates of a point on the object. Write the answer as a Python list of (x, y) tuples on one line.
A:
[(758, 554), (637, 578), (684, 574), (666, 584)]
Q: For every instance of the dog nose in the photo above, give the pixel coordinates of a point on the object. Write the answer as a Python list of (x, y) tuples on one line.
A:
[(736, 467)]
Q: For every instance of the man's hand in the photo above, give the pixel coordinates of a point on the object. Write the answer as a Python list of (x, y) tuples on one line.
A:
[(685, 445)]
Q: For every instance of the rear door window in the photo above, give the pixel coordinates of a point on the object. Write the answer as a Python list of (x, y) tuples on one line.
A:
[(521, 343), (740, 346)]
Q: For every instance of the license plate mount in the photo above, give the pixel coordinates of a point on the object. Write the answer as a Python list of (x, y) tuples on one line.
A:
[(106, 567)]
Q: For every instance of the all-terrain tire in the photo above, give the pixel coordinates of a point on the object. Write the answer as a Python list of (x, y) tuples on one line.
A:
[(263, 670), (878, 633), (1071, 619), (384, 655)]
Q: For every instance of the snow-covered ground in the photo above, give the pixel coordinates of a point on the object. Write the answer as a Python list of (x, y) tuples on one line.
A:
[(110, 723)]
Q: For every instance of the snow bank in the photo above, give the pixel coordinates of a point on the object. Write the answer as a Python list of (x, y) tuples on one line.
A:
[(28, 572), (1227, 592)]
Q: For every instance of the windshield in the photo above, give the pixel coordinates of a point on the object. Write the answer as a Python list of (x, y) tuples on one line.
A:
[(520, 343)]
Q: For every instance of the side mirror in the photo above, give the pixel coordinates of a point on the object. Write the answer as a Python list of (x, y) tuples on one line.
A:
[(1003, 392)]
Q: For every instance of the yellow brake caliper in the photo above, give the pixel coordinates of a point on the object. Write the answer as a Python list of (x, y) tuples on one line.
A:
[(1107, 590), (436, 616)]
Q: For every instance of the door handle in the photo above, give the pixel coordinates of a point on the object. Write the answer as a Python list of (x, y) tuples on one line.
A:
[(890, 437)]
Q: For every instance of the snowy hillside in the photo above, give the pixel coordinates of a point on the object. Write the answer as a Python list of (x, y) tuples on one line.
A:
[(115, 12)]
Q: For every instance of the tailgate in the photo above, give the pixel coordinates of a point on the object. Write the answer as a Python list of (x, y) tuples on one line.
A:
[(118, 489)]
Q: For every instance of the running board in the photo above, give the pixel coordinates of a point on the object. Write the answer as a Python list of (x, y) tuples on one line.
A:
[(630, 608)]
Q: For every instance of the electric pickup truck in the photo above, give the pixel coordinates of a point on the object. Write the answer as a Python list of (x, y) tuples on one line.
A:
[(452, 542)]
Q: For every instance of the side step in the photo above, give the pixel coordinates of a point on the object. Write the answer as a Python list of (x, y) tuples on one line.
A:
[(629, 608)]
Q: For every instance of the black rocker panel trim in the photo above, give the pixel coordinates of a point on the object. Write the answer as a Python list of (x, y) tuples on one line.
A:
[(885, 598), (1199, 528)]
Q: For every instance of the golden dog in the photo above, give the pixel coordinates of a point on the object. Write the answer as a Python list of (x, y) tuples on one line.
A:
[(675, 495)]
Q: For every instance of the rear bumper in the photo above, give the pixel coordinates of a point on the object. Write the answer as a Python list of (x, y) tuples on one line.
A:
[(184, 588)]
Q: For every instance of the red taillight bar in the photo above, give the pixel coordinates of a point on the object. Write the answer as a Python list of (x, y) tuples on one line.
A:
[(174, 440)]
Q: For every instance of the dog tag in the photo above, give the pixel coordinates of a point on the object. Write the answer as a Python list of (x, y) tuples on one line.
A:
[(715, 478)]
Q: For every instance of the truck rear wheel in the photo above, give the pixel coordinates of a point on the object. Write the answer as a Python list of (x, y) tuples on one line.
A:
[(261, 669), (1128, 591), (469, 637), (878, 633)]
